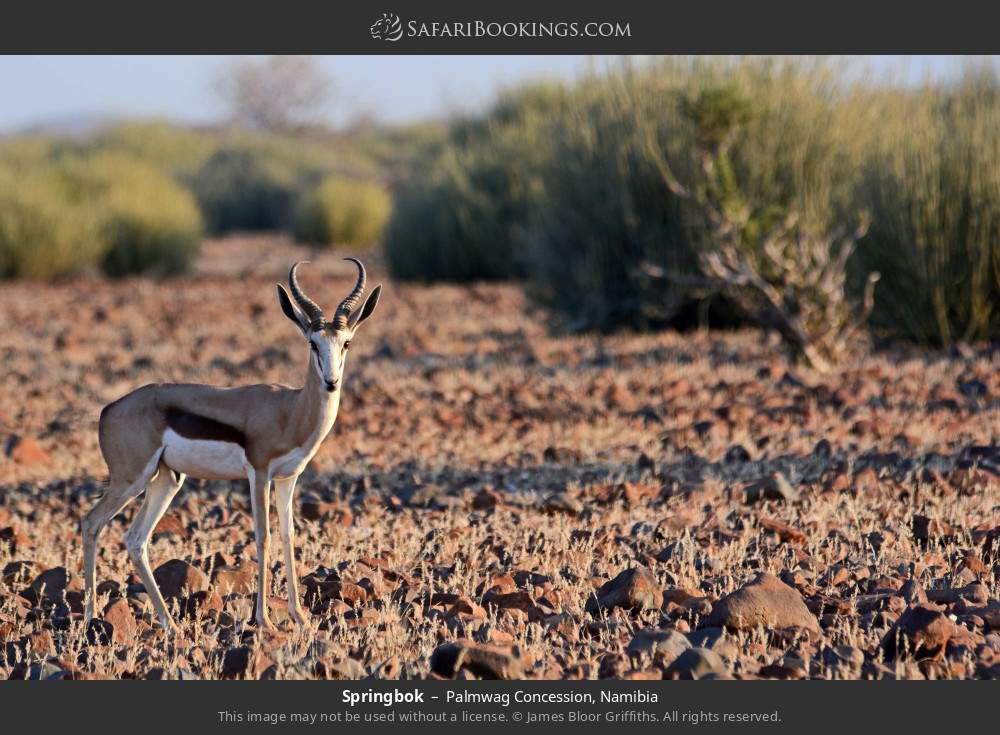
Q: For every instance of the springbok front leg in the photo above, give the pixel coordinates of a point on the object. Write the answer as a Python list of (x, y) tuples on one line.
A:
[(159, 493), (284, 490), (260, 502)]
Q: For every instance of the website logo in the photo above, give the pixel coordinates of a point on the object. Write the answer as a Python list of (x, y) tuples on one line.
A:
[(387, 28)]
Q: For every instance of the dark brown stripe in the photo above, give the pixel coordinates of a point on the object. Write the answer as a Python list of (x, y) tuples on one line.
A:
[(193, 426)]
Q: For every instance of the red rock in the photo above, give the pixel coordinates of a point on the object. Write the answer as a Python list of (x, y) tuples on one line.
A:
[(177, 578), (486, 499), (200, 604), (169, 525), (518, 600), (349, 592), (975, 593), (764, 602), (866, 482), (234, 580), (119, 614), (775, 488), (678, 595), (480, 659), (15, 538), (921, 631), (49, 585), (26, 451), (931, 529), (784, 531), (634, 590)]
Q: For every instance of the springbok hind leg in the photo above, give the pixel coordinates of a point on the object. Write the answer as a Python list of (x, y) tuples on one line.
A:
[(110, 505), (120, 492), (158, 496)]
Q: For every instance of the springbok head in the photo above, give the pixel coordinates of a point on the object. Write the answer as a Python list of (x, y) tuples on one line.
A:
[(328, 340)]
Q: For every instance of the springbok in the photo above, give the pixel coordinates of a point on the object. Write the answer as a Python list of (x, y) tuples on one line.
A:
[(156, 435)]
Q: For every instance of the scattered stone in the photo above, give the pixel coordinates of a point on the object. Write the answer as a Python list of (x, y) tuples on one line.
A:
[(634, 590), (661, 645), (843, 659), (482, 660), (974, 593), (26, 451), (562, 502), (169, 525), (486, 499), (232, 580), (16, 572), (237, 662), (342, 668), (177, 578), (775, 487), (922, 631), (201, 603), (49, 585), (100, 632), (697, 663), (764, 602), (785, 532), (14, 538), (912, 593), (931, 529), (119, 615)]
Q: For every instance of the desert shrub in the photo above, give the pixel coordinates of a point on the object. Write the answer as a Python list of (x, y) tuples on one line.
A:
[(342, 211), (604, 210), (458, 217), (27, 152), (165, 146), (147, 222), (43, 234), (615, 244), (933, 187), (238, 190)]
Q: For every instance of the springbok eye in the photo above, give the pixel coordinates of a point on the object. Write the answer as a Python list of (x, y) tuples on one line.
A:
[(313, 347), (347, 345)]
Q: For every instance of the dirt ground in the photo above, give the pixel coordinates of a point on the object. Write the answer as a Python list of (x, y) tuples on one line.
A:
[(496, 500)]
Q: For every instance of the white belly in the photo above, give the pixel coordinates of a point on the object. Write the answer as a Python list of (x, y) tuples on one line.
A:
[(209, 460)]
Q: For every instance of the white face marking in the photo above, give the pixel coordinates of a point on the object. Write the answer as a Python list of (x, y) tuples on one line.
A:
[(329, 355), (208, 460)]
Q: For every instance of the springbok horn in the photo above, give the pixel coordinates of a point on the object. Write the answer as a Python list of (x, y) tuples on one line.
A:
[(312, 311), (348, 304)]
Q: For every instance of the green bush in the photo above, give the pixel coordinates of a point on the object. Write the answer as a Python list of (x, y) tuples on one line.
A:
[(43, 234), (933, 187), (615, 242), (342, 211), (459, 216), (605, 210), (147, 222), (163, 145), (238, 190)]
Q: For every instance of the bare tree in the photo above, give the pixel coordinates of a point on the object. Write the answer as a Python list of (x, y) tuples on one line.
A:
[(278, 94)]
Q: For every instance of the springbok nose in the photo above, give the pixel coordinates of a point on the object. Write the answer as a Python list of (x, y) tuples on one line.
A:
[(331, 385)]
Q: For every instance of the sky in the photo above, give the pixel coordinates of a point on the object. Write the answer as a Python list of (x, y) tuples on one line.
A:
[(66, 91)]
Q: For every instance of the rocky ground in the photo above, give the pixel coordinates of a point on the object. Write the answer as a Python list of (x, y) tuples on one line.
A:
[(499, 501)]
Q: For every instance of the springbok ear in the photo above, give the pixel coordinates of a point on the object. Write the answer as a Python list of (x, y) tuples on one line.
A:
[(286, 306), (370, 303)]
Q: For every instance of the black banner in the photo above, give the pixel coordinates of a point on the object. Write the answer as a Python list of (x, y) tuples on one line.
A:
[(512, 707), (513, 27)]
